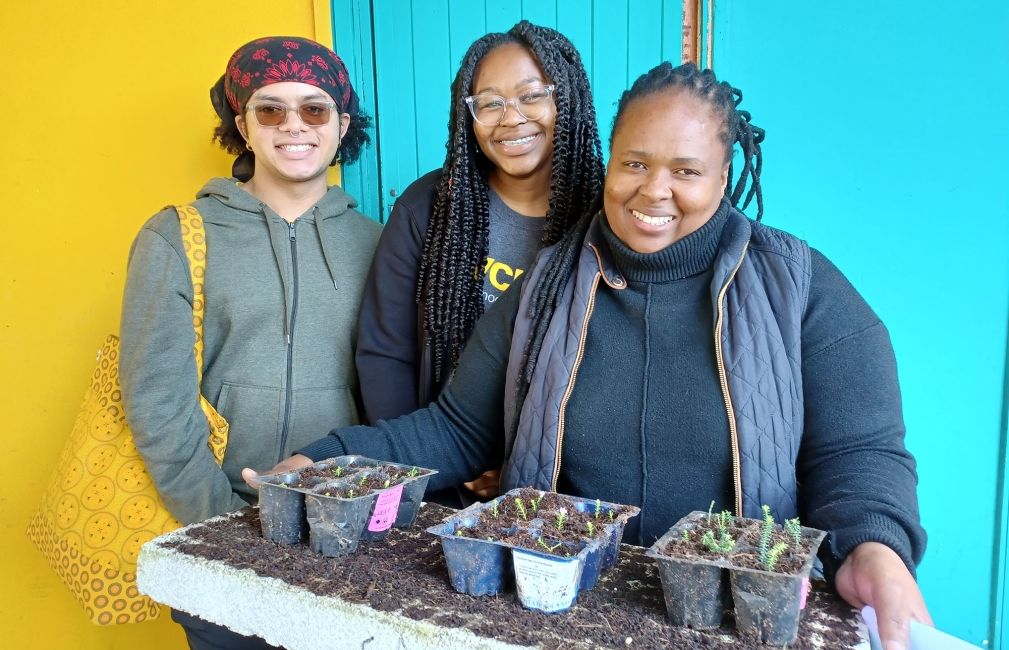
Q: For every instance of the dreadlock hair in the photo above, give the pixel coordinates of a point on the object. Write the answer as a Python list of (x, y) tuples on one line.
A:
[(455, 245), (736, 128)]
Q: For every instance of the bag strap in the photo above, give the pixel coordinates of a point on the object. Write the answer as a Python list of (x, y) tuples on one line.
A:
[(194, 241)]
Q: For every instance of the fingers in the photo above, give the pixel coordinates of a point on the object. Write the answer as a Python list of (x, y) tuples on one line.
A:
[(251, 478)]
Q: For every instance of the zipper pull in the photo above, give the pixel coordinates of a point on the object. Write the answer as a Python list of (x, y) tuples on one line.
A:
[(290, 229)]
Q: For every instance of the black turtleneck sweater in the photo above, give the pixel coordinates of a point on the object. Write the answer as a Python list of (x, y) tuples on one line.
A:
[(646, 424)]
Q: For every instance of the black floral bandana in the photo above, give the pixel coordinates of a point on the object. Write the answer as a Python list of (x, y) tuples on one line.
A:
[(276, 59)]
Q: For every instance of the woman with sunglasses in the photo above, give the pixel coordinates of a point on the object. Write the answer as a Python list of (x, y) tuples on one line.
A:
[(286, 263), (523, 162)]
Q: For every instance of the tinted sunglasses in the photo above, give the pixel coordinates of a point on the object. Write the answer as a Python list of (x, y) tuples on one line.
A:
[(275, 113)]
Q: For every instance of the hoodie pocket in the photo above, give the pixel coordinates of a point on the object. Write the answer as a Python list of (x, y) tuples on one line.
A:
[(254, 415), (316, 411)]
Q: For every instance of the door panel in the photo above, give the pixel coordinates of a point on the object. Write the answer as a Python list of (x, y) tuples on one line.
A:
[(418, 45)]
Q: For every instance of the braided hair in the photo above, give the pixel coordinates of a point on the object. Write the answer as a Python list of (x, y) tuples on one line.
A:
[(456, 243), (735, 128)]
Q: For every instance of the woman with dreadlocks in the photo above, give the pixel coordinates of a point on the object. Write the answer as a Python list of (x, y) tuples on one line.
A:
[(669, 350), (523, 164)]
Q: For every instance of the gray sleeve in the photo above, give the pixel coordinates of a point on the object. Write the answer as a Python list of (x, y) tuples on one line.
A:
[(158, 377)]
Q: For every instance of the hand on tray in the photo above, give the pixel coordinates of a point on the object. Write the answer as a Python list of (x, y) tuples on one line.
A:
[(251, 476)]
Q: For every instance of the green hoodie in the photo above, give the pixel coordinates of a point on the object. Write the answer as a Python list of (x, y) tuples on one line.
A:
[(279, 332)]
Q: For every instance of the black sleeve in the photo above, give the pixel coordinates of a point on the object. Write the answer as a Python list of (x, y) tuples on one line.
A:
[(857, 480), (462, 433), (387, 355)]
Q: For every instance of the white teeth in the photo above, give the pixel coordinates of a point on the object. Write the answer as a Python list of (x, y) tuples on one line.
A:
[(652, 221), (512, 143), (295, 147)]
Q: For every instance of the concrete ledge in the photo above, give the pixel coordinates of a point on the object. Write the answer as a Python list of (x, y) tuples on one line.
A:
[(291, 616)]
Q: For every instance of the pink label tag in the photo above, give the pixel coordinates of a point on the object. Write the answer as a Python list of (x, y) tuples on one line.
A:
[(805, 592), (386, 507)]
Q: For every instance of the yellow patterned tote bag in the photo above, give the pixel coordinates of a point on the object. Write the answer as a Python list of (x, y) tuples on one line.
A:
[(101, 505)]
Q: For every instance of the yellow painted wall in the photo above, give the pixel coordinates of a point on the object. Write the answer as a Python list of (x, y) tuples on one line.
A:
[(106, 119)]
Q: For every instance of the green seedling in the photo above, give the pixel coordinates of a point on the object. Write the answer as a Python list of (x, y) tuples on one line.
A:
[(494, 508), (591, 529), (723, 520), (774, 555), (794, 530), (522, 509), (535, 503), (458, 533), (722, 544), (350, 494), (710, 510), (766, 528), (611, 515), (362, 481), (561, 518), (337, 471), (685, 535), (549, 548), (599, 506), (386, 484), (413, 472)]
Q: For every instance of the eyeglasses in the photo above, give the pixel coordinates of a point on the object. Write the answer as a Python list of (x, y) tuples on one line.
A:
[(275, 114), (489, 110)]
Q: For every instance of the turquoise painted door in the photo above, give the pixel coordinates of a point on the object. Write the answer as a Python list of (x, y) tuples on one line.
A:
[(407, 62), (886, 150)]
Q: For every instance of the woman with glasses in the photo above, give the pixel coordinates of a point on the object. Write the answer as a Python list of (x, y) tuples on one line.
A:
[(669, 351), (286, 263), (523, 162)]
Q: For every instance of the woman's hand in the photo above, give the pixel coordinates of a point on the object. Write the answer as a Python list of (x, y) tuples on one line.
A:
[(487, 485), (873, 574), (251, 477)]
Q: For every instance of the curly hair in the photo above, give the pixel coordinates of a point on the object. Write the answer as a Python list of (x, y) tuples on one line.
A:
[(456, 243), (227, 135), (735, 129)]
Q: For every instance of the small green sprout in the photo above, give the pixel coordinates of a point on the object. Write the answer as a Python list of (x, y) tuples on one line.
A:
[(494, 508), (710, 509), (337, 471), (599, 506), (549, 548), (490, 538), (723, 520), (591, 529), (774, 555), (685, 535), (561, 518), (350, 493), (535, 503), (611, 515), (458, 533), (413, 472), (794, 530), (362, 480), (722, 544), (766, 528), (522, 509), (386, 484)]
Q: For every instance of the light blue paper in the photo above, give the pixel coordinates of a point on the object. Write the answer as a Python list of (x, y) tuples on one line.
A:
[(923, 637)]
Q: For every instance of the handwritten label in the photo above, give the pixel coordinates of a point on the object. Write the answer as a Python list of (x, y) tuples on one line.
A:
[(386, 507), (805, 592)]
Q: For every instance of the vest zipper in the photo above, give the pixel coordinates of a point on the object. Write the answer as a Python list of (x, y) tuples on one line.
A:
[(734, 438), (571, 382), (289, 392)]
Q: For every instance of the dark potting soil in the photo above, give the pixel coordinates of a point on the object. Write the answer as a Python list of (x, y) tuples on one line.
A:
[(406, 573), (541, 505), (746, 532)]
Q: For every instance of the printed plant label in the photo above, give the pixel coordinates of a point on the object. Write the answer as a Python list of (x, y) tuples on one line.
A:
[(544, 584)]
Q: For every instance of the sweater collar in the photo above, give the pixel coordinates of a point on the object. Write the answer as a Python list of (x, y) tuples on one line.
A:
[(689, 256)]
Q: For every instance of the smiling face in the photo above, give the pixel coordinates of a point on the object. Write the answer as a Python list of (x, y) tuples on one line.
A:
[(518, 148), (667, 170), (292, 151)]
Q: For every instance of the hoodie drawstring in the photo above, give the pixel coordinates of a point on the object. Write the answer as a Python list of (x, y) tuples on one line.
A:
[(327, 255), (280, 241)]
